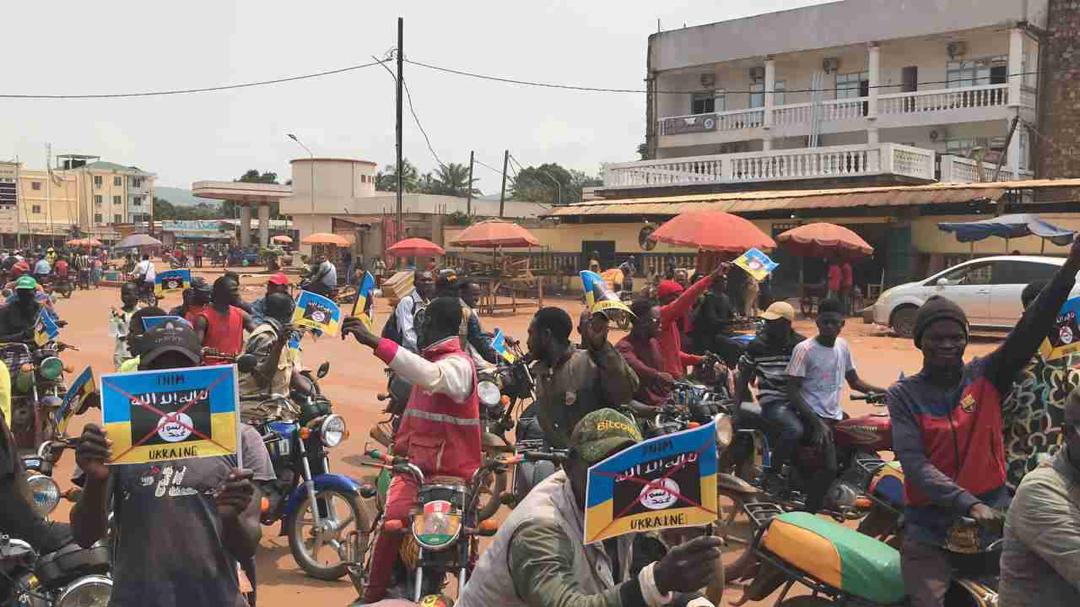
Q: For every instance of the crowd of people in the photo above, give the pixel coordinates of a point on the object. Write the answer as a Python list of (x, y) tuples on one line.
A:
[(951, 423)]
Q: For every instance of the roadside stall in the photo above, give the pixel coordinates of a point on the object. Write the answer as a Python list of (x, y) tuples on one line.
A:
[(1016, 225), (508, 275), (822, 240)]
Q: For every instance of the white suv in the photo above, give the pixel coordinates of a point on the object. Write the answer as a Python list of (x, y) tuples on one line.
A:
[(988, 289)]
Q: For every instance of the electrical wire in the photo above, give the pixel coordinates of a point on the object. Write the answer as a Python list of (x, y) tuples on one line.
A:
[(416, 119), (486, 165), (207, 89)]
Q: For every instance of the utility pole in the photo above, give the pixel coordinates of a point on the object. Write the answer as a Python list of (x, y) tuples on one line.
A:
[(400, 74), (502, 193), (468, 204), (999, 208)]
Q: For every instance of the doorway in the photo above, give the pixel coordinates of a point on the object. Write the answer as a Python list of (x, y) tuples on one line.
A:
[(604, 248)]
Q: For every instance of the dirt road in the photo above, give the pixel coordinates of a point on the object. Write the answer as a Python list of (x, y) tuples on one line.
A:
[(356, 376)]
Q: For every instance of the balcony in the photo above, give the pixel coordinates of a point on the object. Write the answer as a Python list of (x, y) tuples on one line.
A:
[(776, 165), (957, 169)]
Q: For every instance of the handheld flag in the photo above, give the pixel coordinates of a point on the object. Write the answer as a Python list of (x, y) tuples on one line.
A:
[(81, 389), (757, 264), (498, 343), (1064, 336), (45, 329), (662, 483), (149, 322), (317, 312), (362, 306), (172, 280), (598, 297), (154, 416)]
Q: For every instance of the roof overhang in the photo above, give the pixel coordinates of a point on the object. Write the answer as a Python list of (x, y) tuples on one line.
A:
[(242, 192)]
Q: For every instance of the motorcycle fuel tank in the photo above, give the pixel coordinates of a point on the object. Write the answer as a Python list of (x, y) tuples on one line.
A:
[(872, 432)]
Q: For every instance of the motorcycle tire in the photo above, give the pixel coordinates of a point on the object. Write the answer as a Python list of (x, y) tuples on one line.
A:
[(486, 510), (298, 546)]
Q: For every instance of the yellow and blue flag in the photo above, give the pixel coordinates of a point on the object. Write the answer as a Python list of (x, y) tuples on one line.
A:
[(171, 280), (81, 389), (662, 483), (498, 343), (153, 416), (598, 297), (1064, 336), (317, 312), (362, 306), (45, 329), (757, 264)]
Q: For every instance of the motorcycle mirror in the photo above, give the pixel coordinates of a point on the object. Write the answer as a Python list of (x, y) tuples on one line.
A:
[(323, 370), (246, 363)]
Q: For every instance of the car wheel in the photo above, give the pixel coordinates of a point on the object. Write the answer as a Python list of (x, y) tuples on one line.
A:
[(903, 321)]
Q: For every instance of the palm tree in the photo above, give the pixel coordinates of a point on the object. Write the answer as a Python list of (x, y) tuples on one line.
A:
[(453, 180), (386, 180)]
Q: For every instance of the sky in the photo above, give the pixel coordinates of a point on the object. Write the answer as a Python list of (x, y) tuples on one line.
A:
[(111, 46)]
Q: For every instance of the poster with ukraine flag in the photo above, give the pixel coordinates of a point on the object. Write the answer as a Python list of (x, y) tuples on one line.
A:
[(362, 306), (598, 297), (662, 483), (317, 312), (153, 416)]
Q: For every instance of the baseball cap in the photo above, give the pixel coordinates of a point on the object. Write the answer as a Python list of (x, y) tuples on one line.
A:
[(169, 336), (778, 310), (26, 282), (667, 288), (601, 432), (278, 279)]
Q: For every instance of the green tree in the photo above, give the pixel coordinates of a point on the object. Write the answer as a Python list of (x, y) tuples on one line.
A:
[(386, 180), (163, 210), (551, 184), (228, 209), (453, 180)]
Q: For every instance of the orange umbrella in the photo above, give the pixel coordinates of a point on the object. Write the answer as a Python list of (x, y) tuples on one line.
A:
[(415, 247), (495, 233), (824, 240), (713, 231), (326, 238)]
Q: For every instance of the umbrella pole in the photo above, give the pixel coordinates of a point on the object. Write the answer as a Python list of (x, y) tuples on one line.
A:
[(972, 254), (1042, 246)]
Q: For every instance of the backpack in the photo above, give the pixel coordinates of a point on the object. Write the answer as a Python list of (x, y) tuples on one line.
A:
[(392, 331)]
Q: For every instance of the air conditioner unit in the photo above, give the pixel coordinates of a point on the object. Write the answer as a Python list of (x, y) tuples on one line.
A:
[(956, 49), (830, 64), (757, 73), (708, 80)]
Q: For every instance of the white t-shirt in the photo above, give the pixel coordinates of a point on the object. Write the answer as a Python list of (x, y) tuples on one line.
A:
[(146, 268), (823, 370)]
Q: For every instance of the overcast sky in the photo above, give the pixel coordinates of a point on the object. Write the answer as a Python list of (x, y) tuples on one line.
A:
[(112, 46)]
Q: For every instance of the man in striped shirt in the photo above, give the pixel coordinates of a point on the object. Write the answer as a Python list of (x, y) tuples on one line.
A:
[(765, 361)]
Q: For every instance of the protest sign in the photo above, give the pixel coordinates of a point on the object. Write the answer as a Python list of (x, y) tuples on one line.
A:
[(45, 329), (598, 297), (757, 264), (149, 322), (171, 280), (498, 343), (317, 312), (77, 393), (362, 306), (1064, 336), (662, 483), (173, 414)]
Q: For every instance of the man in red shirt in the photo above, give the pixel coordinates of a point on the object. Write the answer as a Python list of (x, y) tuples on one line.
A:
[(835, 279), (642, 351), (847, 280), (221, 325), (675, 303)]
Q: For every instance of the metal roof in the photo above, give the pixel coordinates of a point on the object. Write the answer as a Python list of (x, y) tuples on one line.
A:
[(758, 201)]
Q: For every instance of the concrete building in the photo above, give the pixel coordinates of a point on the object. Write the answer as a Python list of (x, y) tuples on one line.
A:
[(251, 198), (79, 191), (854, 92)]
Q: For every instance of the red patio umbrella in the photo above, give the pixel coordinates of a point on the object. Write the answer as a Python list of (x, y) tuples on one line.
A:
[(713, 231), (495, 233), (415, 247), (824, 240)]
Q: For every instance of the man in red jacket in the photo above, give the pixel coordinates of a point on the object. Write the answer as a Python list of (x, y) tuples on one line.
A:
[(675, 304), (440, 428)]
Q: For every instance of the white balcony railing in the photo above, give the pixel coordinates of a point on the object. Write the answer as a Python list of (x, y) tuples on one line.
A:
[(804, 163), (992, 95), (957, 169), (733, 120)]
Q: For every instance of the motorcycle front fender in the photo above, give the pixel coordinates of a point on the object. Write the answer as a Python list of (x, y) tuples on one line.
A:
[(323, 481)]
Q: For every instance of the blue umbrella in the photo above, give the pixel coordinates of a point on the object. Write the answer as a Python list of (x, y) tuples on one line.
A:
[(1009, 226)]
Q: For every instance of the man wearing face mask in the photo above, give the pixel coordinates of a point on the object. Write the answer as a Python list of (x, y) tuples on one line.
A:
[(17, 319), (440, 427)]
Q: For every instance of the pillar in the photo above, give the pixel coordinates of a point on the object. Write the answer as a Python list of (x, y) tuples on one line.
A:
[(245, 225), (770, 84), (264, 224), (873, 61), (1016, 65), (1013, 153)]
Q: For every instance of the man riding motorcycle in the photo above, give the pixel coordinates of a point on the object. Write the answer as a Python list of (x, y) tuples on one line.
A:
[(17, 319), (440, 427), (277, 367), (641, 350)]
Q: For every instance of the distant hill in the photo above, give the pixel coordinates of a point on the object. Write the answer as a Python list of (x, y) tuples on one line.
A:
[(182, 197)]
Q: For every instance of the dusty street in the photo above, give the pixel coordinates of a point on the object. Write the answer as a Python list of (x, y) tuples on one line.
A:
[(355, 378)]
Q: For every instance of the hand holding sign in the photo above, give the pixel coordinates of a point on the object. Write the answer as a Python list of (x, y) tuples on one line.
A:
[(235, 495), (92, 451), (594, 333), (685, 567)]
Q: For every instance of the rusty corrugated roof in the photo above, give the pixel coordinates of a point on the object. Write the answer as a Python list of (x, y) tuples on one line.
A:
[(746, 202)]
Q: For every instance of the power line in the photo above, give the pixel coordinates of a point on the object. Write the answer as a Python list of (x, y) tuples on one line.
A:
[(416, 119), (486, 165), (207, 89)]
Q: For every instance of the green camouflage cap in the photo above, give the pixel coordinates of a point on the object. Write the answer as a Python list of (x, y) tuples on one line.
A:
[(602, 432), (26, 282)]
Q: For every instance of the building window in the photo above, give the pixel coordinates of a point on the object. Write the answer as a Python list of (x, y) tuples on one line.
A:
[(35, 185), (118, 181), (97, 200), (116, 200), (136, 182), (703, 103), (97, 181), (757, 94), (976, 72), (136, 200), (117, 218), (97, 218), (36, 209), (853, 85)]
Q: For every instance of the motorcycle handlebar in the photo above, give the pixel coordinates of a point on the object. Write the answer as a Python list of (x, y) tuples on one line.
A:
[(873, 398)]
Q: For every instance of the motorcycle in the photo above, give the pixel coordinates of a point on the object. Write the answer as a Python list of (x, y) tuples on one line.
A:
[(844, 567), (64, 286), (38, 388), (315, 507), (69, 577), (443, 534), (44, 490), (146, 296)]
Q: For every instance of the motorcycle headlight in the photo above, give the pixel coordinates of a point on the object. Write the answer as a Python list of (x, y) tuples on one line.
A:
[(489, 393), (725, 431), (51, 368), (89, 591), (333, 431), (45, 492), (436, 530)]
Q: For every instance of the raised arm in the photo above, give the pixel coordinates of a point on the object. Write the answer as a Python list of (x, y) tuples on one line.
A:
[(617, 380), (685, 301)]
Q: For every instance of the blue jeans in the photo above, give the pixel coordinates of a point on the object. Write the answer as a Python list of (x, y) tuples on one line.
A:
[(784, 430)]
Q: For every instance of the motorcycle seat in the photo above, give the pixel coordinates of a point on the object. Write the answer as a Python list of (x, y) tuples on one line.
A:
[(730, 482), (837, 556), (444, 480)]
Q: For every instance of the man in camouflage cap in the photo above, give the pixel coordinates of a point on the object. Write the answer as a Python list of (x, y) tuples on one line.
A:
[(539, 558)]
